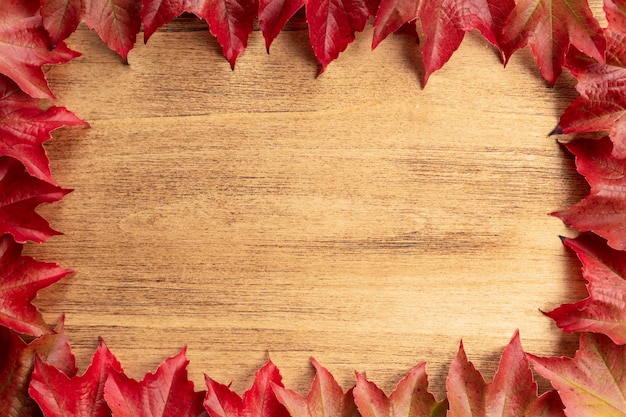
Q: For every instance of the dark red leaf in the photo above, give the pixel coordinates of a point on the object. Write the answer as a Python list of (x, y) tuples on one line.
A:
[(391, 16), (273, 15), (61, 17), (20, 194), (117, 22), (156, 13)]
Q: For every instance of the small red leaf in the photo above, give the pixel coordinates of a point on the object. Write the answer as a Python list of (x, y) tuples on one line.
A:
[(410, 398), (25, 47), (333, 25), (61, 17), (592, 383), (117, 22), (20, 194), (273, 15), (604, 311), (166, 393), (156, 13), (603, 211), (24, 127), (391, 16), (20, 280), (258, 401), (513, 392), (325, 399), (17, 360), (550, 27), (59, 395)]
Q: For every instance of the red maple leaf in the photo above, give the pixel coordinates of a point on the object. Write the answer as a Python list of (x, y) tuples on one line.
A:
[(258, 401), (24, 127), (117, 22), (273, 15), (513, 392), (157, 13), (592, 383), (603, 211), (20, 194), (604, 311), (17, 360), (602, 102), (391, 16), (166, 393), (334, 23), (20, 280), (550, 27), (61, 17), (410, 397), (326, 398), (25, 47), (60, 395)]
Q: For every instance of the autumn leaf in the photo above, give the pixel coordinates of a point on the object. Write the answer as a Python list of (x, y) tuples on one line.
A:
[(273, 15), (391, 16), (17, 360), (24, 127), (25, 47), (603, 211), (20, 194), (61, 17), (157, 13), (59, 395), (410, 398), (592, 383), (604, 311), (20, 280), (334, 23), (325, 399), (166, 393), (258, 401), (117, 22), (602, 102), (513, 392), (550, 27)]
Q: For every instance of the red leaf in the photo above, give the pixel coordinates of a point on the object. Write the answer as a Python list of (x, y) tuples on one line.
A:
[(25, 47), (273, 15), (59, 395), (20, 194), (325, 399), (24, 127), (445, 22), (333, 24), (156, 13), (410, 398), (512, 393), (258, 401), (550, 27), (166, 393), (603, 211), (21, 278), (604, 311), (117, 22), (602, 102), (391, 16), (231, 22), (591, 384), (61, 17), (17, 360)]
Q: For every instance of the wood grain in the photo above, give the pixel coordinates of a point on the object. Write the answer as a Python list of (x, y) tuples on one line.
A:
[(354, 217)]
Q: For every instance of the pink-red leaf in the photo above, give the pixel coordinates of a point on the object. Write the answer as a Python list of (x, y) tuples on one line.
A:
[(273, 15), (259, 401), (550, 27), (20, 194), (603, 211), (117, 22), (25, 47), (410, 398), (156, 13), (60, 395), (592, 383), (334, 23), (24, 127), (17, 360), (61, 17), (20, 279), (166, 393), (513, 392), (391, 16), (325, 399), (604, 311)]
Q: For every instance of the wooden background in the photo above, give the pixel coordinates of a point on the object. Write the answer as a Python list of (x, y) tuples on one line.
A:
[(354, 217)]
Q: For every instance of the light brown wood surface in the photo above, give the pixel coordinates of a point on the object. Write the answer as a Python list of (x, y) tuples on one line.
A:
[(354, 217)]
